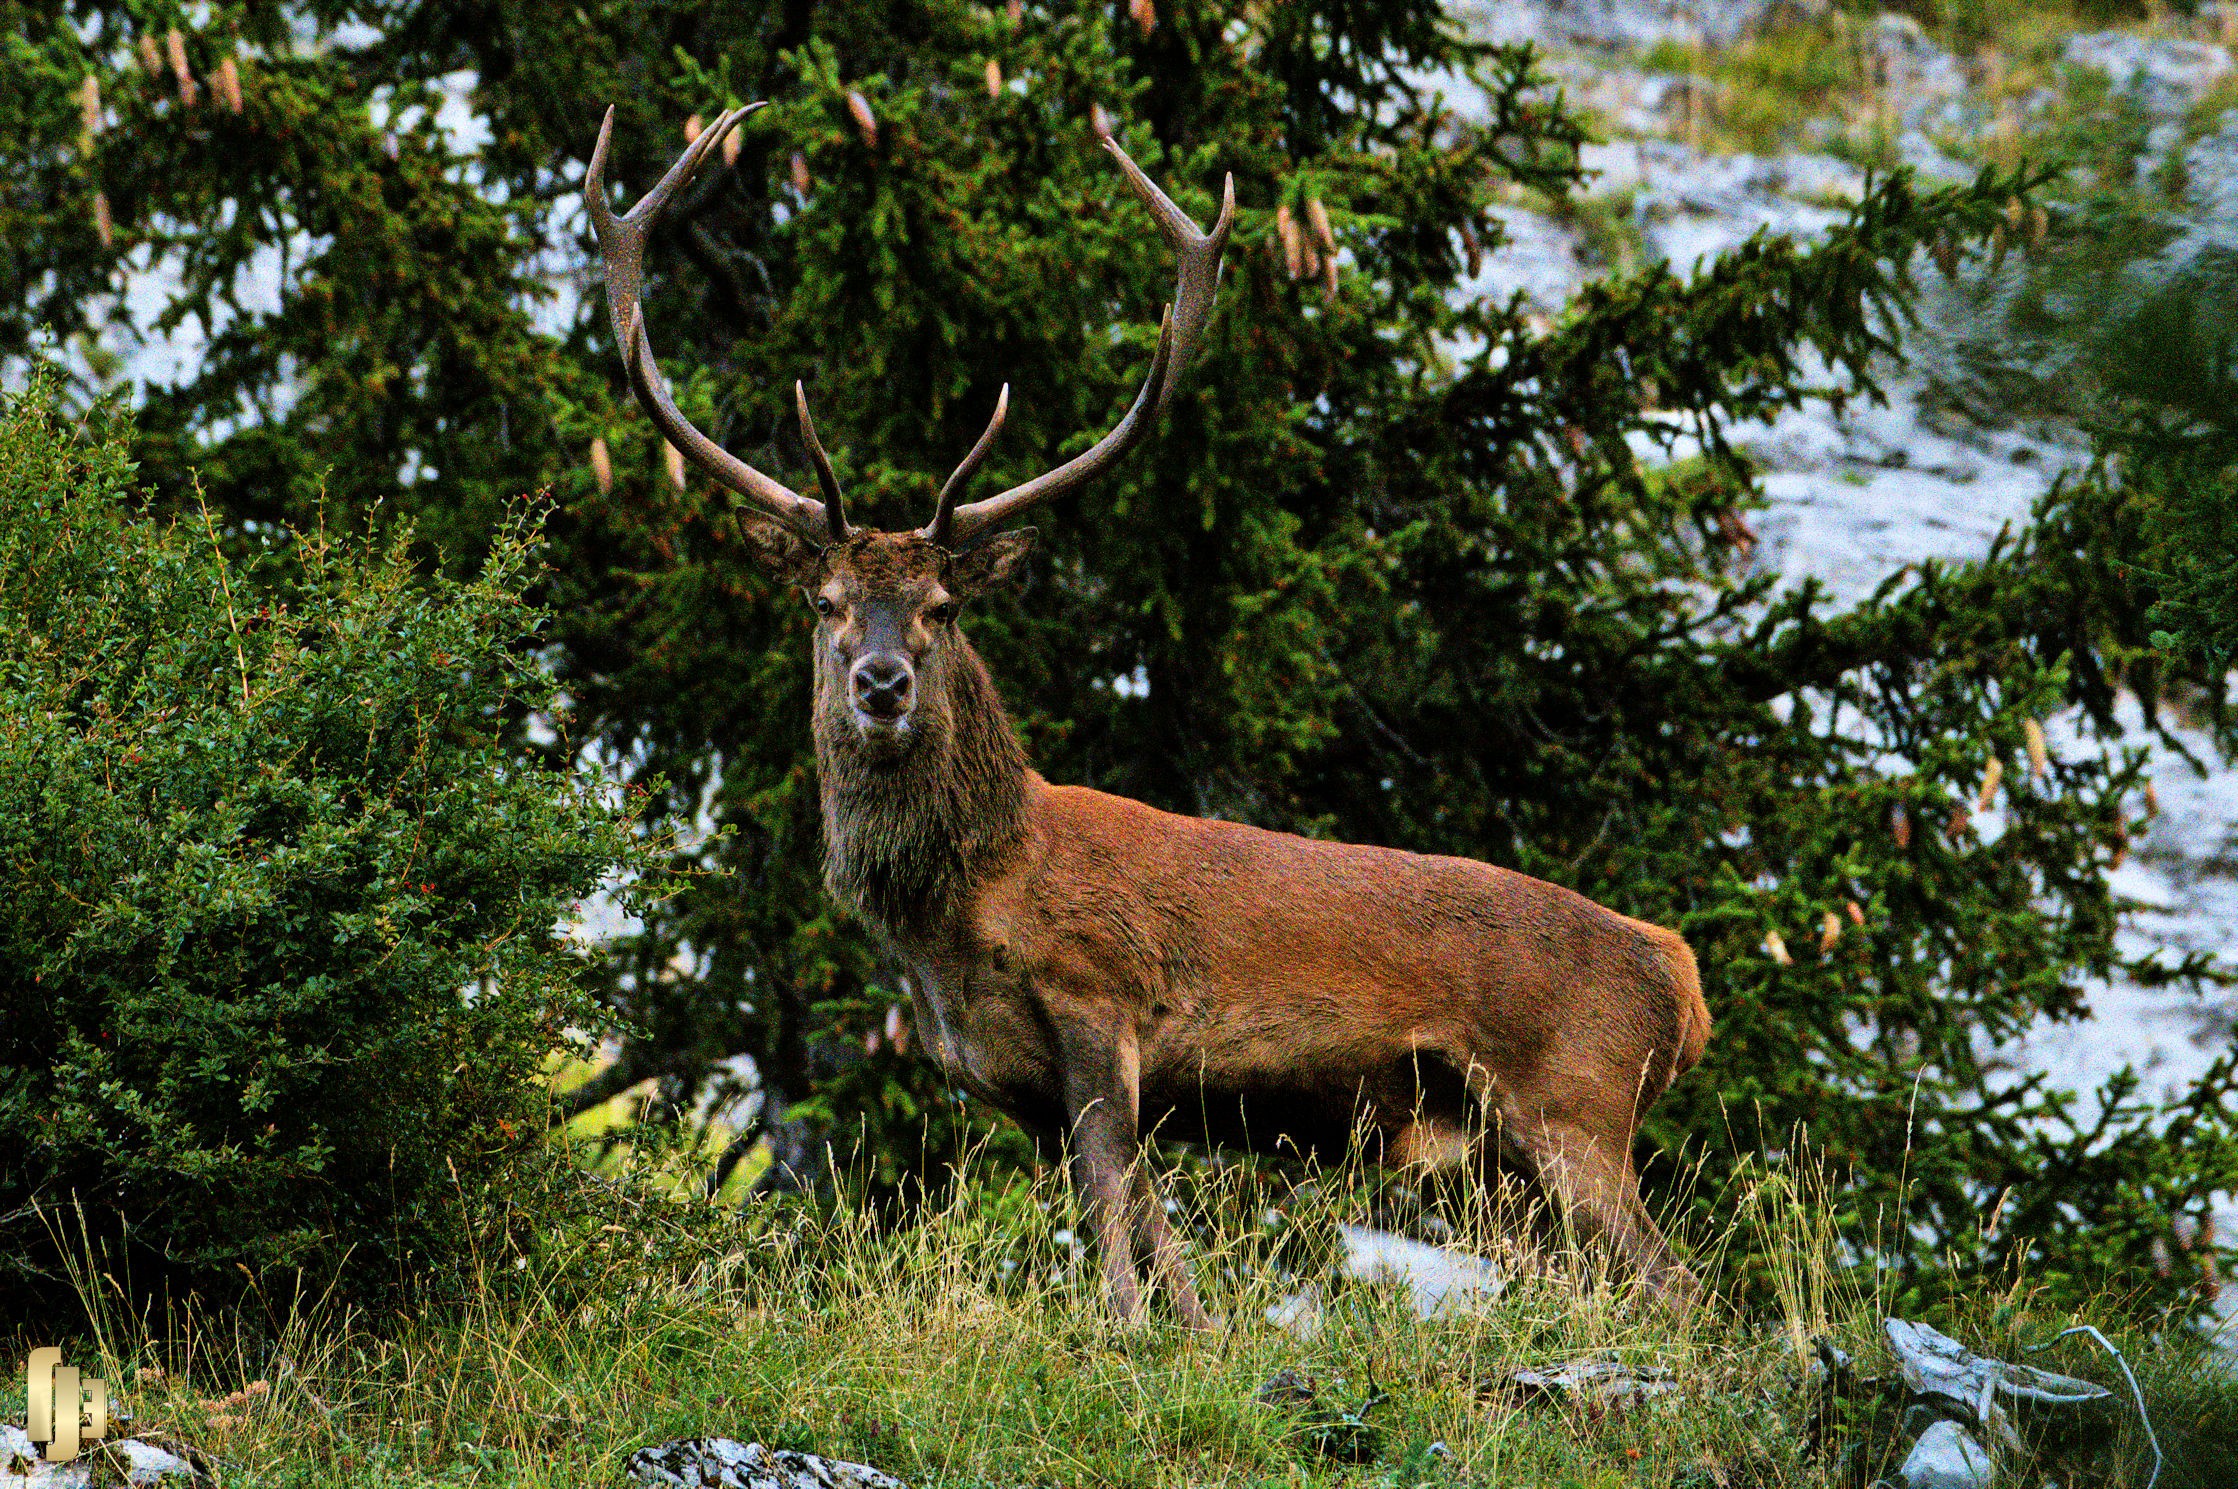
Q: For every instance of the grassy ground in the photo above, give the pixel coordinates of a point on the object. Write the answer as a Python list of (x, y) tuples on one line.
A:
[(973, 1349)]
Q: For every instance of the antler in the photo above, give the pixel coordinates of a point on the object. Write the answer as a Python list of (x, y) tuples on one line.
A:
[(621, 242), (953, 526)]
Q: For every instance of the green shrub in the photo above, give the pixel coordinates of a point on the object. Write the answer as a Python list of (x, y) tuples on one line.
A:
[(280, 952)]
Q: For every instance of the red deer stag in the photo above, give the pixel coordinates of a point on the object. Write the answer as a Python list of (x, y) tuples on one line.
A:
[(1099, 968)]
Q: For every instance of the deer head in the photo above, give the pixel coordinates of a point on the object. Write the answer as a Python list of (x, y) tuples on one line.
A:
[(886, 602)]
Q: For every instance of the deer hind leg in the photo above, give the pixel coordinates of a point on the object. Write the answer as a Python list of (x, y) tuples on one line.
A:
[(1169, 1264), (1591, 1179)]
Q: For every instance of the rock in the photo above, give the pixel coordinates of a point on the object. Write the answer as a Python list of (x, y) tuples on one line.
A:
[(1603, 1382), (1918, 1418), (1832, 1362), (1946, 1458), (22, 1466), (1299, 1314), (1439, 1282), (1925, 157), (2198, 259), (1292, 1389), (2160, 142), (1543, 258), (1625, 24), (2164, 74), (1917, 74), (128, 1459), (2211, 190), (724, 1463), (145, 1463), (1831, 1380), (1339, 1432), (1689, 207)]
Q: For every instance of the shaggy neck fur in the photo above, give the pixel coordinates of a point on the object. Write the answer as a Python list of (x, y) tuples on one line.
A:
[(906, 835)]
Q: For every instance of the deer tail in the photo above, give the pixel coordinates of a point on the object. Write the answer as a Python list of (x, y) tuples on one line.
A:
[(1693, 1011)]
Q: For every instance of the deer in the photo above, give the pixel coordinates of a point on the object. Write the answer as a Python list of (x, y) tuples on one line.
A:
[(1105, 972)]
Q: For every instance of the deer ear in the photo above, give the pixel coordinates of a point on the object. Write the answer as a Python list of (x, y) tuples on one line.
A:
[(783, 554), (985, 565)]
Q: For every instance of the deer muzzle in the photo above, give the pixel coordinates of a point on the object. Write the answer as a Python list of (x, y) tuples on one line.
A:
[(883, 686)]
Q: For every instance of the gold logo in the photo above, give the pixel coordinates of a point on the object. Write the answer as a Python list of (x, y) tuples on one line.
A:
[(66, 1413)]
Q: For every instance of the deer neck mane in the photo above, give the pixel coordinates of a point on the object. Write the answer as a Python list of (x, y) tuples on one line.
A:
[(906, 836)]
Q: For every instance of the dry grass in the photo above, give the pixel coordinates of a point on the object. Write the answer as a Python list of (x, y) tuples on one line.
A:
[(973, 1348)]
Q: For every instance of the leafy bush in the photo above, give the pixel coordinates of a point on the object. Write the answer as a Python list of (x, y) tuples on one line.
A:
[(279, 956)]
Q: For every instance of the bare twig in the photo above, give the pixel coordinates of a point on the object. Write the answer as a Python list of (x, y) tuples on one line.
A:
[(2127, 1374), (225, 585)]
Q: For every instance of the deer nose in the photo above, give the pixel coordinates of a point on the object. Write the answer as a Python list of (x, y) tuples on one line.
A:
[(882, 686)]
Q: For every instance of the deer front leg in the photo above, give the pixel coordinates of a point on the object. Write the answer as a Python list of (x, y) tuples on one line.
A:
[(1100, 1096)]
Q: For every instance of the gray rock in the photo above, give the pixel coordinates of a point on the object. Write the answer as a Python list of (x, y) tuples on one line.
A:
[(1919, 76), (1544, 259), (2166, 75), (2160, 142), (1926, 157), (725, 1463), (1689, 207), (1440, 1281), (1290, 1388), (145, 1463), (2211, 171), (1623, 24), (1298, 1314), (2204, 246), (1946, 1458), (22, 1466)]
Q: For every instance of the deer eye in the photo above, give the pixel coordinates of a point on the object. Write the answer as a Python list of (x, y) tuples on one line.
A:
[(823, 605), (942, 613)]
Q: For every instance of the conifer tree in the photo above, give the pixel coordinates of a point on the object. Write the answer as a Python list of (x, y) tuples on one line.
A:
[(1400, 567)]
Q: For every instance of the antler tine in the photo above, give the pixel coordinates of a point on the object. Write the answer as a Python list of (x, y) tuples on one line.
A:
[(621, 243), (835, 505), (1198, 279), (1199, 254), (937, 531)]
